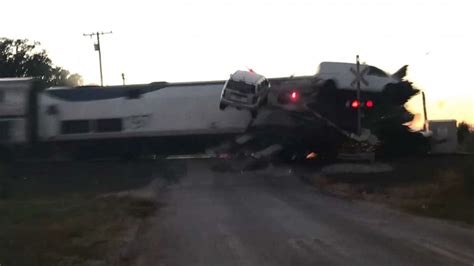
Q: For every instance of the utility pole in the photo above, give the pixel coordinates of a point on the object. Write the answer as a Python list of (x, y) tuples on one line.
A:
[(424, 112), (97, 48), (358, 97)]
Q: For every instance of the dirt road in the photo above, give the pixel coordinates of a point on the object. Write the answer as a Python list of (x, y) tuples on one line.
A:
[(271, 217)]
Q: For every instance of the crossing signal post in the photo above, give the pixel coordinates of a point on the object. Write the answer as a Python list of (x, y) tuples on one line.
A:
[(359, 77), (358, 97)]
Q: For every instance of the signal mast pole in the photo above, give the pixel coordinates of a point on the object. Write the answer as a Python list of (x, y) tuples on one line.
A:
[(97, 48), (358, 97)]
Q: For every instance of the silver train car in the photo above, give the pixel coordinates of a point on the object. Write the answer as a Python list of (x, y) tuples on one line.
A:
[(128, 119)]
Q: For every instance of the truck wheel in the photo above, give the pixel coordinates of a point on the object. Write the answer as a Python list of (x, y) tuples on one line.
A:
[(253, 113), (222, 106)]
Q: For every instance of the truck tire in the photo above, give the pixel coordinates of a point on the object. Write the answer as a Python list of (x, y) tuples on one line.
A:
[(253, 113), (222, 106)]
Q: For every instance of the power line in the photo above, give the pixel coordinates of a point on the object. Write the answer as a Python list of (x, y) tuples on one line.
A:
[(97, 48)]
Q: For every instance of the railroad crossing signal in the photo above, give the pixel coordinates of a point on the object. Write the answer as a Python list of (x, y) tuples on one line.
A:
[(359, 77)]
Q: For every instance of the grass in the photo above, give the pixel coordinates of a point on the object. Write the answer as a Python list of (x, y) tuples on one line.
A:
[(450, 196), (435, 186), (53, 214)]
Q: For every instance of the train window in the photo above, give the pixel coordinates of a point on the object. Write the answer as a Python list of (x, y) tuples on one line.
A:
[(75, 126), (133, 94), (52, 109), (108, 125), (5, 130), (2, 96)]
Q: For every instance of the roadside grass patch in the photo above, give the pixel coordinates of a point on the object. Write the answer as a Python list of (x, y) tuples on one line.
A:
[(139, 208), (58, 216), (451, 196), (435, 186)]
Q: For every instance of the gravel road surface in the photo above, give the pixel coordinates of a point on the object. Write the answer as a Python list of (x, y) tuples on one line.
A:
[(271, 217)]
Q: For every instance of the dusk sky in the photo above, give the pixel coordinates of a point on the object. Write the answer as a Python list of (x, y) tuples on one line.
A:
[(207, 40)]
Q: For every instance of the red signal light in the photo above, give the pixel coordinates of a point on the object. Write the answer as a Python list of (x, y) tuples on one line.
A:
[(294, 96), (355, 104), (369, 104)]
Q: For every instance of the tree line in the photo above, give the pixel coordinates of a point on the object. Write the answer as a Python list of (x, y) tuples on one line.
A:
[(25, 58)]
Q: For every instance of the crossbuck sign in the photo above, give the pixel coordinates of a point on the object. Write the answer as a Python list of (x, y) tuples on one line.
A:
[(359, 77)]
